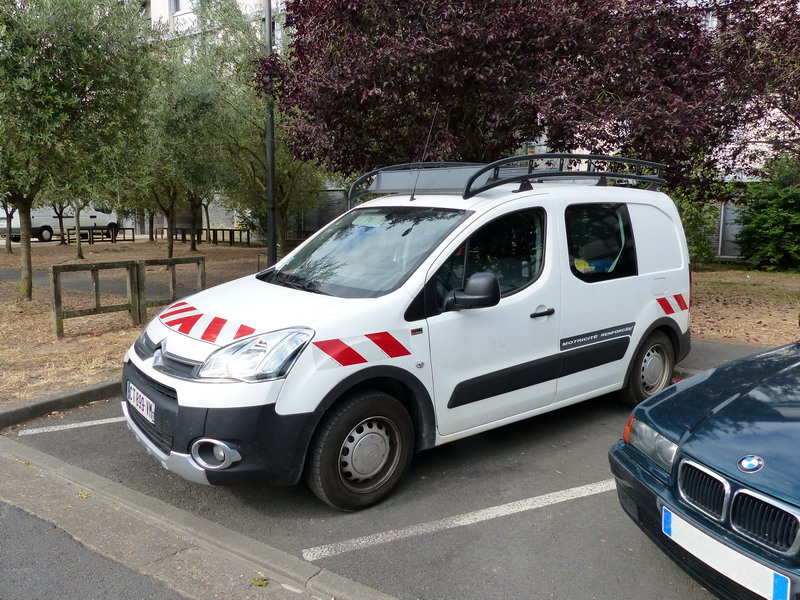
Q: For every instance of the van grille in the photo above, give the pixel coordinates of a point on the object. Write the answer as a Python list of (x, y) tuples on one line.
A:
[(161, 440), (165, 398)]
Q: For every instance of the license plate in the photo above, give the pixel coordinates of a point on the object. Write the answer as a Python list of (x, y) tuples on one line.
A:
[(756, 577), (141, 403)]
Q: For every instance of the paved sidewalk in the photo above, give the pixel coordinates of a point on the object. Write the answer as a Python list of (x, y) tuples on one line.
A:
[(161, 545)]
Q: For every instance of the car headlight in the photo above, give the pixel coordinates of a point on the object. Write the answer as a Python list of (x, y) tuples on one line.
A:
[(652, 444), (259, 358)]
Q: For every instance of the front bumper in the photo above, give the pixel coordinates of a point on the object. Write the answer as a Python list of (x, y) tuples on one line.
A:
[(272, 446), (642, 496)]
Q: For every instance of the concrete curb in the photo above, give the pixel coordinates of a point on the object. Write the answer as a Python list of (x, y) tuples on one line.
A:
[(32, 409), (52, 483)]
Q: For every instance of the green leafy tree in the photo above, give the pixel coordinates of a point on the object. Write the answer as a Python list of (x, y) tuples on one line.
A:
[(232, 131), (698, 196), (770, 217), (759, 45), (73, 75)]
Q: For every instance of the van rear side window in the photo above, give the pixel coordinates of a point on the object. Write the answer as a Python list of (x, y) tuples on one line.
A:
[(600, 241)]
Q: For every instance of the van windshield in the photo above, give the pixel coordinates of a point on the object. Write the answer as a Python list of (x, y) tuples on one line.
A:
[(368, 252)]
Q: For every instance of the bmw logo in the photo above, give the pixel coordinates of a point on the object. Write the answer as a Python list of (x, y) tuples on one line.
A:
[(750, 463)]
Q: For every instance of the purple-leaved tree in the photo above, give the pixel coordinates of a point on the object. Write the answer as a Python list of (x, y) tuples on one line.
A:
[(365, 81)]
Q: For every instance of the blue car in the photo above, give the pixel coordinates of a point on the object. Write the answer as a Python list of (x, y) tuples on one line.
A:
[(709, 469)]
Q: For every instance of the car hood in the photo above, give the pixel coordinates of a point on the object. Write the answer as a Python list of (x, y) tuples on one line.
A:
[(749, 407), (199, 324)]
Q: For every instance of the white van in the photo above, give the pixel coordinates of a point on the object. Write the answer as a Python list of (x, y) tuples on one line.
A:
[(463, 299), (44, 222)]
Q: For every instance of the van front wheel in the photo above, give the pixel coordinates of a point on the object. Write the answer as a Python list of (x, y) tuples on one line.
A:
[(360, 451), (651, 370), (45, 234)]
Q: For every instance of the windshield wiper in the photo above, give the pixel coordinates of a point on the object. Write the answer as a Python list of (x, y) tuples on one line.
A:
[(297, 284)]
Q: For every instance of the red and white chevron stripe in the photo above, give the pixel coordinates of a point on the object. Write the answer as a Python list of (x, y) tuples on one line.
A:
[(667, 306), (189, 321), (370, 347)]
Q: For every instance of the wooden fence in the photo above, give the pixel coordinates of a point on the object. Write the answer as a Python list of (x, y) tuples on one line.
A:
[(136, 286), (94, 234), (214, 234)]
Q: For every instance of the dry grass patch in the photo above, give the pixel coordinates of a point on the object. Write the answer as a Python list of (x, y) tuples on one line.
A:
[(752, 307), (729, 304)]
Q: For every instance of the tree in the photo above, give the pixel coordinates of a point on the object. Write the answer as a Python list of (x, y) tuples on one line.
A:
[(73, 75), (232, 128), (365, 80), (770, 217), (8, 215), (760, 45)]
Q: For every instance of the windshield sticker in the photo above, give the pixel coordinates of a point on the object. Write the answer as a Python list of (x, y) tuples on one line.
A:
[(597, 336), (370, 347), (189, 321)]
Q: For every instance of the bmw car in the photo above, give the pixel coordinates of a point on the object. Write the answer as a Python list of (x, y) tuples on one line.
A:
[(709, 469)]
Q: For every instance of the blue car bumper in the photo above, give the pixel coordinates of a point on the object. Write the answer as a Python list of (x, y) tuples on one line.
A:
[(643, 496)]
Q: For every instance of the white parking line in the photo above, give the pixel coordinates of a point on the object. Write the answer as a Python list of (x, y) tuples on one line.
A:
[(471, 518), (70, 426)]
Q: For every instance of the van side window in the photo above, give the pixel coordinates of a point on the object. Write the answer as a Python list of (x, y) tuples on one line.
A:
[(600, 241), (511, 248)]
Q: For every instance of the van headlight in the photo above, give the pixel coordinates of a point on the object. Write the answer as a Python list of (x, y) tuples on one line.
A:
[(259, 358), (652, 444)]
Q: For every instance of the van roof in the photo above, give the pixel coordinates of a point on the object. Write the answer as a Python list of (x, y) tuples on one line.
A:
[(471, 179)]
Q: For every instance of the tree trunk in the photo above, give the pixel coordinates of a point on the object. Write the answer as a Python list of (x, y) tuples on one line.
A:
[(9, 218), (26, 267), (151, 218), (194, 210), (171, 231), (78, 245), (208, 222), (61, 228)]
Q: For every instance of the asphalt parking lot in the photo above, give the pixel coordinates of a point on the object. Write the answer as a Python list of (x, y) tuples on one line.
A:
[(525, 511)]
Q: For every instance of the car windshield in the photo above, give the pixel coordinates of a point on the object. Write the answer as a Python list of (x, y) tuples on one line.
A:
[(369, 251)]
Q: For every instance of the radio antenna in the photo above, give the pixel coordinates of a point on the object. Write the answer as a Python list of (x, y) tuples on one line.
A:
[(425, 150)]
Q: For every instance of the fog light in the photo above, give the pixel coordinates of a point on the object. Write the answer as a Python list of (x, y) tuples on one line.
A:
[(214, 455)]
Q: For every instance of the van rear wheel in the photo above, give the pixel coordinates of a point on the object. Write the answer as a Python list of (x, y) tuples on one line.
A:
[(651, 369), (360, 451)]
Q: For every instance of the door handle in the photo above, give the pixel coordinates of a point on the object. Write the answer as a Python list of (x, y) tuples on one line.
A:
[(544, 313)]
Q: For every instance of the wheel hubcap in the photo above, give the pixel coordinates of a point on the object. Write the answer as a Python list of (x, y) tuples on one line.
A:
[(653, 370), (368, 455)]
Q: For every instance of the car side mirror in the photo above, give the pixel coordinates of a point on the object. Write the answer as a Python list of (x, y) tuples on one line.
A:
[(482, 290)]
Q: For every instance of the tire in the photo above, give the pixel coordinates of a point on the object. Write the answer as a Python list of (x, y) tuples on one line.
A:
[(360, 451), (45, 234), (651, 369), (111, 231)]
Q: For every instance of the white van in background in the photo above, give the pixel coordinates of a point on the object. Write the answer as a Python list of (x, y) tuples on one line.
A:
[(44, 222)]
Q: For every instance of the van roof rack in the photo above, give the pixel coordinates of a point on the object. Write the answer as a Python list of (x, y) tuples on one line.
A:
[(430, 177), (566, 166), (470, 179)]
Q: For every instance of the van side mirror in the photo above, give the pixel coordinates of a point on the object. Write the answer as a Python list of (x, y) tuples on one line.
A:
[(482, 290)]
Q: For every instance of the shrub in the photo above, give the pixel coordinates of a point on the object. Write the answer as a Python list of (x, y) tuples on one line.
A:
[(770, 219)]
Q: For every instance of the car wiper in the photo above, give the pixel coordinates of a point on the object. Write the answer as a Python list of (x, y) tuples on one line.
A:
[(297, 284)]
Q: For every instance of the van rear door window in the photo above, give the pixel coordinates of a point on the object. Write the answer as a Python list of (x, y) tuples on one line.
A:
[(600, 242)]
